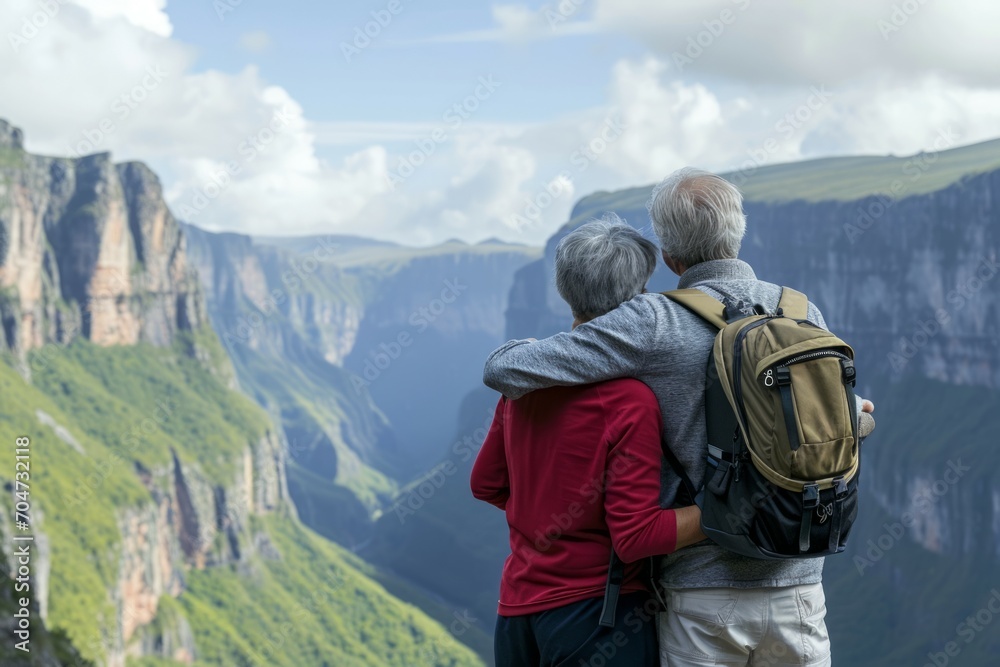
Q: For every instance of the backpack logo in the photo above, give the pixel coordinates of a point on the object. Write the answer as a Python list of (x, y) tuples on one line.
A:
[(824, 512)]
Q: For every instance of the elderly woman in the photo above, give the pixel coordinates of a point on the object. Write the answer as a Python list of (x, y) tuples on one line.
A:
[(577, 471)]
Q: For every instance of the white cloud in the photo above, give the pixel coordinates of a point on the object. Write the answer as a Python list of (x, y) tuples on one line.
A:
[(520, 23), (130, 90), (146, 14), (92, 82), (904, 118), (814, 42)]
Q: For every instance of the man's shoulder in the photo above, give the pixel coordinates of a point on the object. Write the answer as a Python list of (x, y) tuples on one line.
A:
[(637, 309)]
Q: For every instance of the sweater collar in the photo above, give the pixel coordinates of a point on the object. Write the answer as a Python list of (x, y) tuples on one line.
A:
[(716, 270)]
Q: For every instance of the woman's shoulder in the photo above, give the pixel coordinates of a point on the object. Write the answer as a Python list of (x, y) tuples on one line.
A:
[(627, 391)]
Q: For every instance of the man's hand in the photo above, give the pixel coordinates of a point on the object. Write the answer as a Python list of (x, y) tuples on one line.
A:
[(867, 406)]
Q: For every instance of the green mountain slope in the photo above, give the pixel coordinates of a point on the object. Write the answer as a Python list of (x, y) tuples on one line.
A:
[(314, 605), (825, 179), (117, 431)]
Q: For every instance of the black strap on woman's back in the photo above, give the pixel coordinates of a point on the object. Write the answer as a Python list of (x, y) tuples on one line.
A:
[(613, 588)]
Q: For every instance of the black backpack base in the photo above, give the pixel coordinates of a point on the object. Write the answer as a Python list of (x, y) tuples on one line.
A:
[(758, 519)]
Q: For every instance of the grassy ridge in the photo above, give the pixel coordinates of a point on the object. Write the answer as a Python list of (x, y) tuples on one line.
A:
[(104, 413), (83, 534), (312, 605), (825, 179), (113, 394)]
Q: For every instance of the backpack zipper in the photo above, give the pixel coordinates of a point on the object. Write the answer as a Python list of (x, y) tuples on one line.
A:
[(738, 365), (812, 355)]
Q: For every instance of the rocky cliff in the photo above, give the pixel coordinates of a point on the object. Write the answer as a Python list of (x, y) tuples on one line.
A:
[(271, 300), (431, 319), (340, 338), (88, 248), (287, 321), (191, 523), (913, 278), (160, 509)]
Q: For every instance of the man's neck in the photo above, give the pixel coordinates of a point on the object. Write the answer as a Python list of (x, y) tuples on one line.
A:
[(716, 270)]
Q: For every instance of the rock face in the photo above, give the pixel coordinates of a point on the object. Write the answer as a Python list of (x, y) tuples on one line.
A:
[(307, 323), (191, 523), (274, 298), (915, 281), (266, 299), (88, 247), (287, 325), (425, 334)]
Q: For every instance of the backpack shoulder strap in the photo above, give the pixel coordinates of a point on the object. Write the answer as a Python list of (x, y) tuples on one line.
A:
[(712, 311), (701, 304), (794, 304)]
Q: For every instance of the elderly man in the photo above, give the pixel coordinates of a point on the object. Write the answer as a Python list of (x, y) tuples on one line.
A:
[(577, 470), (724, 608)]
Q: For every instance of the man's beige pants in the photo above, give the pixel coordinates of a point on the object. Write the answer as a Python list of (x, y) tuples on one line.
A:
[(777, 627)]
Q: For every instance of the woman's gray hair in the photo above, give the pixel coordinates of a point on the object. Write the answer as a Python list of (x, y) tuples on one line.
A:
[(601, 264), (698, 216)]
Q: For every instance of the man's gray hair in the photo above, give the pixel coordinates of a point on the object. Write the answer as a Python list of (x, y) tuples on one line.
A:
[(601, 264), (697, 216)]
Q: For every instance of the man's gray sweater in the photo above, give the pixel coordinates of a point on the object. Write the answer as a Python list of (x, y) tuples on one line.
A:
[(664, 345)]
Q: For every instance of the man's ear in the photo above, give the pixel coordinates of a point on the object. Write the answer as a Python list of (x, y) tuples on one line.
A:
[(673, 264)]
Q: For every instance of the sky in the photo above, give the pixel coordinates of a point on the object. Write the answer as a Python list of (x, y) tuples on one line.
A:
[(418, 121)]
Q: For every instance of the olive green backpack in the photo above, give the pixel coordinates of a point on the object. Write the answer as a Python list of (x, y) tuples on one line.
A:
[(782, 473)]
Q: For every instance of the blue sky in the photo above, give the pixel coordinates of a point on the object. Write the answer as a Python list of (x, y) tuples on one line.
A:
[(257, 122), (398, 77)]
